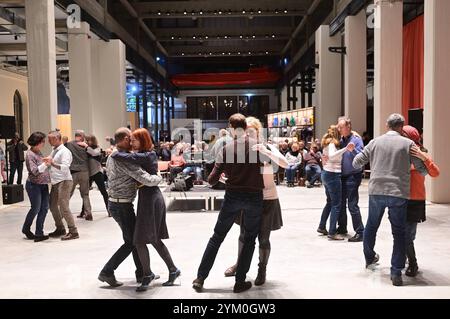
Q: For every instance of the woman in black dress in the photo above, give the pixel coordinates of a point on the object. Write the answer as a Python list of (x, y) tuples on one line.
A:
[(151, 225)]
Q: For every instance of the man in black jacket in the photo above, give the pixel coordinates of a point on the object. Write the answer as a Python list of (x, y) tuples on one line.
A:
[(16, 148)]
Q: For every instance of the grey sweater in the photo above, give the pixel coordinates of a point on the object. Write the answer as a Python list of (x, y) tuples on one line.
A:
[(390, 163), (80, 161)]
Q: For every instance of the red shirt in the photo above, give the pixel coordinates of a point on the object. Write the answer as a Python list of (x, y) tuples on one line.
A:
[(417, 188)]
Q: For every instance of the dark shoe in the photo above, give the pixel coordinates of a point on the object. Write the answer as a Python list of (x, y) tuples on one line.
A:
[(342, 231), (110, 280), (197, 284), (172, 277), (397, 281), (261, 277), (335, 237), (41, 238), (231, 272), (322, 231), (242, 286), (89, 217), (374, 261), (29, 234), (139, 279), (356, 238), (82, 215), (70, 236), (145, 283), (57, 233), (412, 270)]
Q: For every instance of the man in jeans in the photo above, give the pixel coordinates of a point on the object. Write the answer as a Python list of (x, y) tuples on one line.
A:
[(123, 178), (242, 166), (389, 186), (351, 180), (59, 163), (80, 172), (16, 148)]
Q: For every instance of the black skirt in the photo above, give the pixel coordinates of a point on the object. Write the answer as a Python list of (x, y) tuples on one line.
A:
[(271, 218), (151, 216), (416, 211)]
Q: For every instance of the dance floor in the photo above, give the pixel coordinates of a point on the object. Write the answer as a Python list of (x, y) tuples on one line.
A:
[(302, 264)]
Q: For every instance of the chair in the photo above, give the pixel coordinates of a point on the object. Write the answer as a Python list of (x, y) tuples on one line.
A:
[(163, 168)]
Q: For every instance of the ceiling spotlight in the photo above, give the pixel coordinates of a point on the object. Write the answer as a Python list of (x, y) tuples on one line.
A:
[(229, 11), (199, 53), (249, 52), (239, 53), (229, 53), (276, 11), (215, 11), (173, 38), (254, 36), (185, 12), (273, 35), (226, 37), (220, 11), (158, 58), (182, 53), (243, 11), (179, 38), (267, 52), (168, 13), (285, 11), (159, 13), (206, 37), (259, 11), (223, 53), (241, 36), (193, 37), (251, 11), (201, 12), (193, 12), (210, 53)]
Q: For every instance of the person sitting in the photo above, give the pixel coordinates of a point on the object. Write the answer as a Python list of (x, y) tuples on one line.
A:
[(294, 158), (165, 152), (176, 163), (194, 165), (284, 148), (312, 161)]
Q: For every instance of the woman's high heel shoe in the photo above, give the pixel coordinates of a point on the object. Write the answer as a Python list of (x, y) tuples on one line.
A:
[(145, 283), (172, 277)]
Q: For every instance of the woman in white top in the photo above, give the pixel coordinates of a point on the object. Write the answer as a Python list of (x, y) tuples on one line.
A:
[(331, 179), (294, 158), (271, 216)]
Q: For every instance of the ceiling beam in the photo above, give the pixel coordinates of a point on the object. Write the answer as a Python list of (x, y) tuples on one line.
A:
[(249, 50)]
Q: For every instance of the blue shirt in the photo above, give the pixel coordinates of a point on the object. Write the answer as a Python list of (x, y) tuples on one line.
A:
[(347, 158)]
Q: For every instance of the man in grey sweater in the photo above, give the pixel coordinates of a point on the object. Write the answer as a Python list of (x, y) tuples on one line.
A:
[(389, 187)]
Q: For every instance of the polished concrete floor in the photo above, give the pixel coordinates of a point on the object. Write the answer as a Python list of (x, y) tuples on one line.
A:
[(302, 265)]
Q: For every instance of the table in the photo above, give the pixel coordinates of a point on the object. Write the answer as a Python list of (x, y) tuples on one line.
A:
[(203, 192)]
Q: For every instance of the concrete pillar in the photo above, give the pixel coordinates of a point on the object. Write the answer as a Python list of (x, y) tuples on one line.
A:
[(81, 85), (437, 95), (328, 80), (356, 70), (109, 88), (41, 53), (388, 62)]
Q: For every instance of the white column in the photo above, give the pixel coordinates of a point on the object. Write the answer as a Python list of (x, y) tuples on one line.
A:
[(81, 99), (356, 70), (328, 80), (437, 95), (41, 53), (109, 88), (388, 62)]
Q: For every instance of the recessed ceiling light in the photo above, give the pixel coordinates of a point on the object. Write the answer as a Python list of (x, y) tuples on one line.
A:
[(259, 11), (223, 53), (285, 11), (249, 52), (182, 53), (241, 36), (273, 35), (201, 12), (226, 37), (184, 12), (206, 37), (267, 52), (254, 36), (220, 11), (243, 11), (159, 13), (168, 13), (173, 38)]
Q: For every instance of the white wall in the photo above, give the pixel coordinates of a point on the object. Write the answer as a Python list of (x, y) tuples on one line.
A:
[(9, 83)]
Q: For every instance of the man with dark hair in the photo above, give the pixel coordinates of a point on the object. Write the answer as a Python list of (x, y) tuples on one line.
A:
[(16, 148), (80, 171), (123, 178), (389, 187), (242, 166)]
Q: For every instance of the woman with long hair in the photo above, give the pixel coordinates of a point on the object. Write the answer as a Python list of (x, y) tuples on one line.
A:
[(36, 187), (271, 217), (294, 158), (331, 179), (151, 225), (95, 170), (416, 212)]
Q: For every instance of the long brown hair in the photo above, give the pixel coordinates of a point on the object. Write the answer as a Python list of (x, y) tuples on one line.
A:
[(91, 141), (332, 136), (144, 138)]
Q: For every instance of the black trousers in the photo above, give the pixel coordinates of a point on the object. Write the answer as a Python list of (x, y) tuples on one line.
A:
[(99, 180), (15, 166)]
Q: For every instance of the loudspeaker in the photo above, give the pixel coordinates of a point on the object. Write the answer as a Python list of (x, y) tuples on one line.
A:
[(416, 119), (7, 127), (12, 194)]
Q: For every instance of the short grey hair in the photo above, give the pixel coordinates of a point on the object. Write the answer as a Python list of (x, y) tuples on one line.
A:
[(80, 133), (347, 120), (55, 134), (395, 121)]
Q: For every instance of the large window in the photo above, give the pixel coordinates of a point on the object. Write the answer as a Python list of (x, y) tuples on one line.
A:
[(203, 107), (228, 105)]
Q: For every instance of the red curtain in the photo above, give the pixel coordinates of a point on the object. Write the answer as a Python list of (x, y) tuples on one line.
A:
[(413, 65), (253, 77)]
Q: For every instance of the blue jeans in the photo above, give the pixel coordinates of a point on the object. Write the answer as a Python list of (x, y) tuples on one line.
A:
[(251, 205), (397, 216), (291, 170), (39, 199), (313, 173), (123, 214), (196, 169), (333, 190), (350, 195)]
